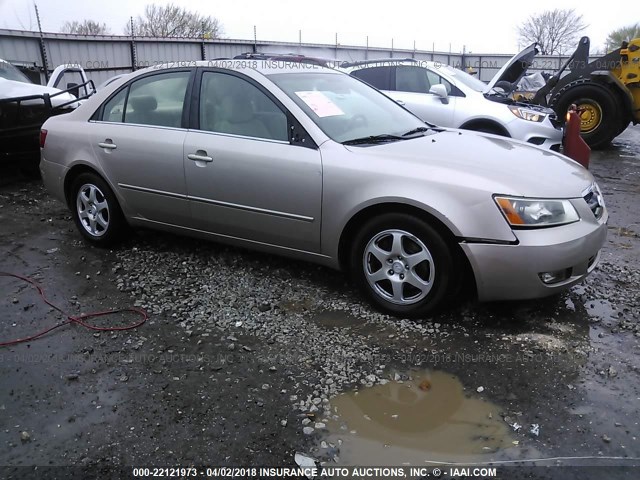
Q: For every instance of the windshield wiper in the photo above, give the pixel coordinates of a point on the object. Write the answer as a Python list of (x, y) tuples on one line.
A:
[(385, 137), (416, 130)]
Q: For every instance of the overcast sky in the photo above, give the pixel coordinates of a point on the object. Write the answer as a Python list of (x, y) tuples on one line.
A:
[(483, 26)]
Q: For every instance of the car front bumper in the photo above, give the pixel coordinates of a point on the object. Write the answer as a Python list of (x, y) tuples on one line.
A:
[(542, 134), (511, 272)]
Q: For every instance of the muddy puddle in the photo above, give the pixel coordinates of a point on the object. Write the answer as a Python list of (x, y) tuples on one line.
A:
[(429, 417)]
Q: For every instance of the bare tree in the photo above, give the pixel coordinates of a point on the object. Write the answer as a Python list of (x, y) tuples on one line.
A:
[(623, 34), (86, 27), (555, 31), (174, 21)]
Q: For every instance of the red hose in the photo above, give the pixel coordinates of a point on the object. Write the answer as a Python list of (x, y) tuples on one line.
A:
[(73, 319)]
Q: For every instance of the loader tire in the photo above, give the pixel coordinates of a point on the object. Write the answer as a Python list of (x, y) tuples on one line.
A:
[(599, 112)]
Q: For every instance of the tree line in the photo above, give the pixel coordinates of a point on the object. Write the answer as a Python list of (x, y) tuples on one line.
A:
[(556, 32), (156, 21)]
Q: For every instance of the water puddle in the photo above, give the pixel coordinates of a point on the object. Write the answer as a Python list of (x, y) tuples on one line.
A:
[(429, 417), (599, 308)]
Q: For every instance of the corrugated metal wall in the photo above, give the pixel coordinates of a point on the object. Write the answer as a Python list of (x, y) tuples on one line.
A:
[(105, 56)]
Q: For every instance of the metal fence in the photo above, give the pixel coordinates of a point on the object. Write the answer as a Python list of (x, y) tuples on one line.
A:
[(107, 55)]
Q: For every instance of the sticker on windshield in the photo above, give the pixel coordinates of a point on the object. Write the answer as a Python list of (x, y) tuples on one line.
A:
[(320, 103)]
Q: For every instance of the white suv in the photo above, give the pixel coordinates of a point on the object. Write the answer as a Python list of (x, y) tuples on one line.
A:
[(449, 97)]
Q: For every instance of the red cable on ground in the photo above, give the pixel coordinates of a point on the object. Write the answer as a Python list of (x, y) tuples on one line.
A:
[(73, 319)]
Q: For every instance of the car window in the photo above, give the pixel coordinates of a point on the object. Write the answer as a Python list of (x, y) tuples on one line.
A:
[(463, 77), (157, 100), (435, 79), (345, 108), (114, 109), (229, 104), (375, 76), (412, 79)]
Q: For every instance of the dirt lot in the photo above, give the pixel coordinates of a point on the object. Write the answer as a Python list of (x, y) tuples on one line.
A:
[(244, 353)]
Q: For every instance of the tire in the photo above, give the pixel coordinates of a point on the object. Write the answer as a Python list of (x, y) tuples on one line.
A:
[(599, 119), (423, 267), (96, 211)]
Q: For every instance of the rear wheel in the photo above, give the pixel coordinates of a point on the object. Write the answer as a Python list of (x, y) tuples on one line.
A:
[(403, 265), (96, 212), (597, 108)]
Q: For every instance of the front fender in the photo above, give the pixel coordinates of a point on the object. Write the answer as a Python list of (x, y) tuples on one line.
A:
[(351, 187)]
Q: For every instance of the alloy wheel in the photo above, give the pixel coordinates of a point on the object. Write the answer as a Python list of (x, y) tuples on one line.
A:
[(92, 209), (398, 267)]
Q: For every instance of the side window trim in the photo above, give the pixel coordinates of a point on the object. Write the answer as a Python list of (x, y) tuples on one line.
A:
[(297, 135)]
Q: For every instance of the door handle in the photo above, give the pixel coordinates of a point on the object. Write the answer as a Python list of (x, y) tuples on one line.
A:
[(108, 144), (197, 157), (400, 102)]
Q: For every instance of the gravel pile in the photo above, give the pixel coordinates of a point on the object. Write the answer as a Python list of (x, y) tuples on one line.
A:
[(211, 290), (612, 292), (207, 288)]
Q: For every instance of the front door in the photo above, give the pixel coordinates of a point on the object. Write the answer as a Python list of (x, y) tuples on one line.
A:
[(412, 91), (244, 178)]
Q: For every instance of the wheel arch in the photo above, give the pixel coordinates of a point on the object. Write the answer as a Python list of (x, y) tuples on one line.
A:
[(478, 123), (78, 169), (356, 222), (73, 173)]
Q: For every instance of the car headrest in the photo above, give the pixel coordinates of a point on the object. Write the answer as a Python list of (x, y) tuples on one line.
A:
[(143, 103)]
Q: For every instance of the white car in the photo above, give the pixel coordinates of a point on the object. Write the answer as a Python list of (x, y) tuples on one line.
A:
[(449, 97), (24, 106)]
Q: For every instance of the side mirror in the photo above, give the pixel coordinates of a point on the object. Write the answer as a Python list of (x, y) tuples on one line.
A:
[(440, 91)]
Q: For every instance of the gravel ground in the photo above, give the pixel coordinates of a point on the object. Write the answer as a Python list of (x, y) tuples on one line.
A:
[(242, 347)]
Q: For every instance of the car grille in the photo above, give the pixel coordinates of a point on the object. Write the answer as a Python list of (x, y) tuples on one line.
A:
[(594, 201)]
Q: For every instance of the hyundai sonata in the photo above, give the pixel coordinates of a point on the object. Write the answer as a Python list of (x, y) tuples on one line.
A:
[(307, 162)]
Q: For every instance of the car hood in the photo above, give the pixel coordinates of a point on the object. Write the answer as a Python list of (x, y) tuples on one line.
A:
[(488, 162), (516, 67), (14, 89)]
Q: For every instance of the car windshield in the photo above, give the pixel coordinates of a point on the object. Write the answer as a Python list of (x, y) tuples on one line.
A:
[(346, 109), (469, 80), (9, 72)]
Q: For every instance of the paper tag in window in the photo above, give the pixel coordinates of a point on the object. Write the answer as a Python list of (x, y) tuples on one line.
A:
[(320, 103)]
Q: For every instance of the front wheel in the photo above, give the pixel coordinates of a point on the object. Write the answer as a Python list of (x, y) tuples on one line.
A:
[(403, 265), (96, 212)]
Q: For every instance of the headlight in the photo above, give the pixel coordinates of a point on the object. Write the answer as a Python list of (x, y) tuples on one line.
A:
[(532, 213), (526, 114)]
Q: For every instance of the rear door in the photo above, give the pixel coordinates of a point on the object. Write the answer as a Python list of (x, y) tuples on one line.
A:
[(138, 137), (246, 175)]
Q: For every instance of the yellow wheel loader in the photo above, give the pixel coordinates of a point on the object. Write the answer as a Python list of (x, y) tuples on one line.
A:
[(605, 91)]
